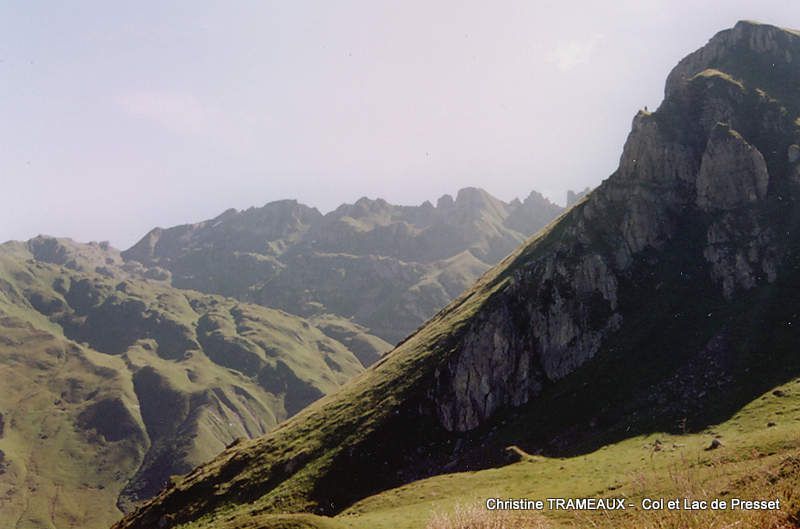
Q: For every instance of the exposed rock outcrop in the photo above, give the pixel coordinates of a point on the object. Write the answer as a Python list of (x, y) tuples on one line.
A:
[(686, 159), (732, 172), (574, 196), (372, 262), (664, 298)]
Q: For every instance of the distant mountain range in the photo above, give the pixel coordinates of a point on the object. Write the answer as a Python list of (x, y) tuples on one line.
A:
[(385, 267), (661, 306), (280, 368), (114, 379)]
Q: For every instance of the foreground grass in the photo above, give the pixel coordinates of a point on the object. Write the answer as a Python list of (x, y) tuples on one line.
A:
[(755, 461), (477, 517), (764, 481)]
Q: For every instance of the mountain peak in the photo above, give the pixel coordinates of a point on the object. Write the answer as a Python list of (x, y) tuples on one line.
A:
[(282, 254), (650, 303), (535, 197), (473, 196), (71, 254), (755, 26), (228, 213), (574, 196), (750, 50), (473, 199), (445, 201)]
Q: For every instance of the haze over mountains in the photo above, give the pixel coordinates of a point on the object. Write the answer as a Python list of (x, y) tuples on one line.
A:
[(114, 379), (663, 302), (236, 373), (386, 267)]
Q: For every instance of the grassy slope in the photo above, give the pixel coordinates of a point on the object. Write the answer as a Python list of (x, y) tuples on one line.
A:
[(755, 462), (320, 433), (279, 472), (630, 468), (53, 476), (75, 426), (337, 452)]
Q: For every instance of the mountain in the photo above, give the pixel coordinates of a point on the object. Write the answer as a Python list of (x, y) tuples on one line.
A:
[(113, 380), (664, 303), (574, 196), (387, 268)]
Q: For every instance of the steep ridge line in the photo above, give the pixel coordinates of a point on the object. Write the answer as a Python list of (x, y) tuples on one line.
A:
[(658, 300)]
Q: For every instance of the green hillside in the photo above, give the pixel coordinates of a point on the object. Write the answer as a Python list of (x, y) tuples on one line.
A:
[(113, 382), (660, 306), (753, 462)]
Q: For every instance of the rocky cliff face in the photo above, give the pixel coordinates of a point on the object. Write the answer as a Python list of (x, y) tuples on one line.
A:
[(747, 46), (574, 196), (565, 303), (386, 267), (665, 297)]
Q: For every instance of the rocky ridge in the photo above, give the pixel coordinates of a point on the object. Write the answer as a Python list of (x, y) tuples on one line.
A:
[(700, 154), (387, 268), (681, 263)]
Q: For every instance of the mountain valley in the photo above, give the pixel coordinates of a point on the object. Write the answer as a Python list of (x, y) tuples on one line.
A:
[(386, 366), (661, 305)]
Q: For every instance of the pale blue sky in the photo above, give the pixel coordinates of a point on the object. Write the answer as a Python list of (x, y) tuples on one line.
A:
[(116, 117)]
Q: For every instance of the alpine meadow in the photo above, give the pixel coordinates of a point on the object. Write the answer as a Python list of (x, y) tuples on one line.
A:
[(630, 360)]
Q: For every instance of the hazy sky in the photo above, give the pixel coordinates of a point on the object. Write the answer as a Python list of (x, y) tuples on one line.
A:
[(116, 117)]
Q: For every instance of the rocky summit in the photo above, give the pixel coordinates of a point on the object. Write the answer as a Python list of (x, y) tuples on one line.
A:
[(663, 301), (385, 267), (117, 381)]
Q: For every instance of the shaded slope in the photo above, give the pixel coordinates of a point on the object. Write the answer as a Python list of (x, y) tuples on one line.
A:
[(113, 382), (754, 461), (362, 261), (662, 300)]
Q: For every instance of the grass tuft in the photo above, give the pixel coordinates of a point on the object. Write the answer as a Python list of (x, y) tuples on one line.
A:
[(476, 516)]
